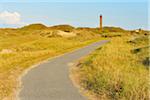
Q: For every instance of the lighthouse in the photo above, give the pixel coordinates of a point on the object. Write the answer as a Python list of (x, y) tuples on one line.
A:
[(101, 23)]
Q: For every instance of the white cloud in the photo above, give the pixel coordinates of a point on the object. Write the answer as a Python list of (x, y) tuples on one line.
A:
[(10, 18)]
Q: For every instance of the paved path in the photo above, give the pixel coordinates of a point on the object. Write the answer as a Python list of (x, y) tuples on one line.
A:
[(50, 80)]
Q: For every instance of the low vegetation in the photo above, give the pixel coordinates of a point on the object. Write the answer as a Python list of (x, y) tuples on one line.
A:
[(65, 28), (23, 47), (113, 29), (117, 71)]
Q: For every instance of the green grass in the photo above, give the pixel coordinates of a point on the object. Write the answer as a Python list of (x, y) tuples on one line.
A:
[(28, 47), (113, 72), (141, 44), (112, 34)]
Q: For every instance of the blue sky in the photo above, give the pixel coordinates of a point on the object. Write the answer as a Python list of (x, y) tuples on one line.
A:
[(126, 14), (74, 0)]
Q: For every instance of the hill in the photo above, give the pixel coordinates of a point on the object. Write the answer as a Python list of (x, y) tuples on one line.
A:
[(34, 27), (113, 29), (66, 28)]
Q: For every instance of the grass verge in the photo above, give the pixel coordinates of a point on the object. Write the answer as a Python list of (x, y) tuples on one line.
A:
[(114, 72)]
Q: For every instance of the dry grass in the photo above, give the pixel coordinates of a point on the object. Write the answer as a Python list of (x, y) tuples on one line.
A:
[(113, 72), (19, 49)]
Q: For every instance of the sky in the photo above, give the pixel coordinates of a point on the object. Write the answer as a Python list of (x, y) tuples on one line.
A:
[(128, 14)]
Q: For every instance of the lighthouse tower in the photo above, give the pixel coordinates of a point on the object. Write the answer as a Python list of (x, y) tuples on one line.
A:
[(101, 23)]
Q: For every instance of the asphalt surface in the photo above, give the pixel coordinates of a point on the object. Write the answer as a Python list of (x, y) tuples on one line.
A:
[(50, 80)]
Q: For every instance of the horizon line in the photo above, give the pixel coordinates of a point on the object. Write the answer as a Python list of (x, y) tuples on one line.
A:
[(72, 26)]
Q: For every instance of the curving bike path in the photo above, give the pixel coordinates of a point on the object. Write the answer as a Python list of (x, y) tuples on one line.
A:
[(50, 80)]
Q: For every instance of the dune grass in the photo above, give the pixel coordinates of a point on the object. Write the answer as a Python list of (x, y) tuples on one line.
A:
[(114, 72), (19, 49)]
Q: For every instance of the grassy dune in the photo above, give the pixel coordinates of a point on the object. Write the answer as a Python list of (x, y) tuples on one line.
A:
[(117, 70), (21, 48)]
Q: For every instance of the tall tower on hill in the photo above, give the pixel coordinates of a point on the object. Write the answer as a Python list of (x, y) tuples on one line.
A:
[(101, 22)]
